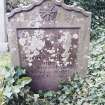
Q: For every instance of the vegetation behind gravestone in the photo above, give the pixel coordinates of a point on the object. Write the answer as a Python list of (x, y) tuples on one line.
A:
[(11, 4), (97, 7)]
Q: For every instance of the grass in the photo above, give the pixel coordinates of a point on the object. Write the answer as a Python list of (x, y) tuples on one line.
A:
[(5, 60)]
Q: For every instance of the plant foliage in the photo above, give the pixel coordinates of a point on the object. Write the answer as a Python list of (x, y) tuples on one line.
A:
[(13, 81)]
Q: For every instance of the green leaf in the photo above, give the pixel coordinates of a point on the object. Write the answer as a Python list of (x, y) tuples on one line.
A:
[(7, 92), (48, 94), (23, 81)]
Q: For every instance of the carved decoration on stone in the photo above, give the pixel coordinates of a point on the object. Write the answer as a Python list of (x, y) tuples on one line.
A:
[(48, 12)]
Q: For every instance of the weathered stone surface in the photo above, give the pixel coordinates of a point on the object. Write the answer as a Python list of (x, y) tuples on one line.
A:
[(51, 40), (3, 45)]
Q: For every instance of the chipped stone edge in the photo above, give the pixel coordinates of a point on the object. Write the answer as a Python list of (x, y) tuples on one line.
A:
[(61, 4)]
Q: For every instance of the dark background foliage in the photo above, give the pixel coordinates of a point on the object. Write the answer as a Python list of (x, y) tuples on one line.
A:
[(97, 7)]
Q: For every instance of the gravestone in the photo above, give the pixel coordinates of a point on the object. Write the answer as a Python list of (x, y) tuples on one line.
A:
[(3, 45), (50, 40)]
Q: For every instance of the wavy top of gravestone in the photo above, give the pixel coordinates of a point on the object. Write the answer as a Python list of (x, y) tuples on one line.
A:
[(57, 2), (50, 40)]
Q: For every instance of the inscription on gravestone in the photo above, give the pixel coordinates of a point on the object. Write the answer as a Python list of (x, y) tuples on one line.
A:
[(50, 40)]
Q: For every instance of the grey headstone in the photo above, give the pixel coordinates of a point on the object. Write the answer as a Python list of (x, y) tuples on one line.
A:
[(51, 40), (3, 45)]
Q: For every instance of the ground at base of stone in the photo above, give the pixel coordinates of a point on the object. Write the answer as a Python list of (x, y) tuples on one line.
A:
[(5, 59)]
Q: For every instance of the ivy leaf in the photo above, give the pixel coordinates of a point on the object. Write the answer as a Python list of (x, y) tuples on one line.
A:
[(48, 94), (7, 91), (23, 81), (16, 89), (19, 72)]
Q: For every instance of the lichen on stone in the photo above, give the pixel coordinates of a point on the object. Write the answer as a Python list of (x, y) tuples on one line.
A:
[(32, 44), (66, 44)]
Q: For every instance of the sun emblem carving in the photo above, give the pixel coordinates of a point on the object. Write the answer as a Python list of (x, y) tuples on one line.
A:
[(48, 12)]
